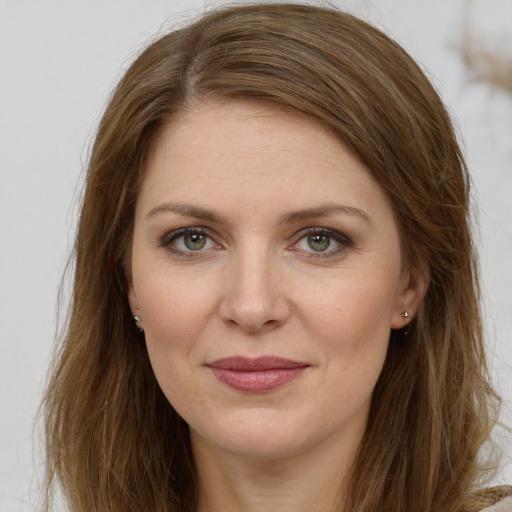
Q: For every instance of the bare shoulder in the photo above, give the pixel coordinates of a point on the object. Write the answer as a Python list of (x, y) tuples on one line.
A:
[(505, 505)]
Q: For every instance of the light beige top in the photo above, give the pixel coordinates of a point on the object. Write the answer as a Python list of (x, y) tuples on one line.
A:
[(503, 506)]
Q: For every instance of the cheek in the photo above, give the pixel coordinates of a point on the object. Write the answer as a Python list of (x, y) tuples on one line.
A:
[(175, 312), (175, 309), (354, 316)]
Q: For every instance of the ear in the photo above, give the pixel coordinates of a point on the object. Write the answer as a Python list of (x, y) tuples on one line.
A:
[(132, 296), (412, 288)]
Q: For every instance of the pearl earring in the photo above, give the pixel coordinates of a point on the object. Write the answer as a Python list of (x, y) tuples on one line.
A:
[(405, 314)]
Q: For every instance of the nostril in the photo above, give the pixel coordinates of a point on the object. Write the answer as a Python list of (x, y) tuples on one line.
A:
[(254, 326)]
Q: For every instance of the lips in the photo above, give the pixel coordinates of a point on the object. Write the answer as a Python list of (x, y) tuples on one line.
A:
[(256, 375)]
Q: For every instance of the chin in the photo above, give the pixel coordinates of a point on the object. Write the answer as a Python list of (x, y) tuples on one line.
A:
[(259, 436), (255, 446)]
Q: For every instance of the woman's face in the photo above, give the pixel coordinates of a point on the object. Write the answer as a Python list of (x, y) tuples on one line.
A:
[(266, 269)]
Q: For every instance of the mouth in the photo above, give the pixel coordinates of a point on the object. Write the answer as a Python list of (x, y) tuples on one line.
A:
[(256, 375)]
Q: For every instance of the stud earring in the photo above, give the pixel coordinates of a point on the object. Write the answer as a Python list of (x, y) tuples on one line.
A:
[(405, 314), (138, 323)]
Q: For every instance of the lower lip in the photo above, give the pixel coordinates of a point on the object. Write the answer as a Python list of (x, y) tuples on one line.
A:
[(257, 381)]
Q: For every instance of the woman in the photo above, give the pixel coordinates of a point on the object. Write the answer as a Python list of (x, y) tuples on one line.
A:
[(276, 300)]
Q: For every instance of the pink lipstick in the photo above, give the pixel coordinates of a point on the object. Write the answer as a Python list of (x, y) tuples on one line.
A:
[(256, 375)]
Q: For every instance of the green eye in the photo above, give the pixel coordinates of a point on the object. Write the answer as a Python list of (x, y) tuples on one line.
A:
[(322, 243), (194, 241), (188, 241), (319, 242)]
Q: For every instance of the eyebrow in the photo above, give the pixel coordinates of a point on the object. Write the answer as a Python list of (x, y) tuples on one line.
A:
[(326, 210), (188, 210)]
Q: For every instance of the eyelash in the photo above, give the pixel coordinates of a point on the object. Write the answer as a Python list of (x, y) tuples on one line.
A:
[(344, 242)]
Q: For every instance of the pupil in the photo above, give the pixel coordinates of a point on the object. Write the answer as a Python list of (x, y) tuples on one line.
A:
[(319, 242), (195, 241)]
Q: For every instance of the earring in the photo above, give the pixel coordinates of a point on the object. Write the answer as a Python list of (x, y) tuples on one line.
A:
[(405, 314), (138, 323)]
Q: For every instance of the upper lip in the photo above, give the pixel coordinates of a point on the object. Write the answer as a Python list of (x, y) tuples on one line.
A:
[(247, 364)]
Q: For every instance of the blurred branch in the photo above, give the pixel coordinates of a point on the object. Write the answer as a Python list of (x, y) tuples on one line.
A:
[(487, 56)]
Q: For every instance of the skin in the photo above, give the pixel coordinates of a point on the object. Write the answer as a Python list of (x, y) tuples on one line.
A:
[(258, 287)]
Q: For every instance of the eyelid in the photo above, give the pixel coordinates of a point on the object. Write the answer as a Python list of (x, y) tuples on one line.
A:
[(171, 235)]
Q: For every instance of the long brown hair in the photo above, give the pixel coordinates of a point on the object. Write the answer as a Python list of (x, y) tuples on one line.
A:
[(113, 441)]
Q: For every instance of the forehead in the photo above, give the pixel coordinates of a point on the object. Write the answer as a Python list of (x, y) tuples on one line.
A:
[(244, 157)]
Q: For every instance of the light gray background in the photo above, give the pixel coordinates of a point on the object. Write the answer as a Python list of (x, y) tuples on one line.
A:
[(58, 62)]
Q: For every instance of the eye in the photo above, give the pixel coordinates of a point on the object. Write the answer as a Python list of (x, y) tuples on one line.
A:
[(321, 242), (193, 241), (189, 240)]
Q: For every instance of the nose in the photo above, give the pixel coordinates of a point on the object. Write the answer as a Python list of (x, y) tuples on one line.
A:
[(254, 298)]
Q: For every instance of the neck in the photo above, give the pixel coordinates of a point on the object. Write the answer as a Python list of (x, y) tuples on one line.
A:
[(311, 480)]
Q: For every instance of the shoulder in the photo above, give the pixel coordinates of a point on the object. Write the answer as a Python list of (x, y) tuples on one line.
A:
[(504, 505)]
